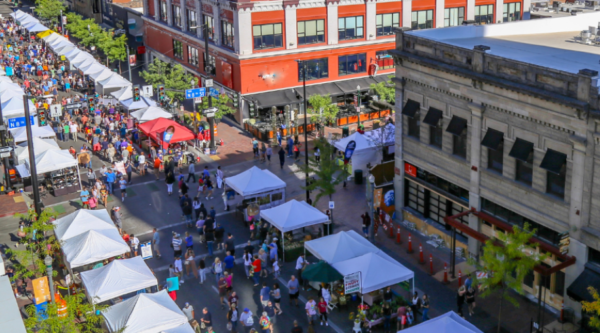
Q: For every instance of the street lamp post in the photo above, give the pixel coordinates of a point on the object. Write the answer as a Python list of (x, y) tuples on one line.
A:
[(305, 102), (48, 262), (358, 103), (372, 206)]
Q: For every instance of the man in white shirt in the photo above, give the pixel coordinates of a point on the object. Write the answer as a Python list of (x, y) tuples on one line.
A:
[(189, 311), (300, 264), (178, 269), (142, 163), (73, 129), (135, 243)]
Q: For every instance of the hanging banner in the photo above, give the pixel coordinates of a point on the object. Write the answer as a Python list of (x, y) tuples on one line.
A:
[(41, 290), (146, 249), (132, 60), (173, 283), (349, 151), (352, 283)]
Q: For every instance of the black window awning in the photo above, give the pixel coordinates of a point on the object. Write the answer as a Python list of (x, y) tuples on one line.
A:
[(275, 98), (522, 150), (411, 108), (553, 161), (492, 139), (433, 117), (457, 125), (578, 290)]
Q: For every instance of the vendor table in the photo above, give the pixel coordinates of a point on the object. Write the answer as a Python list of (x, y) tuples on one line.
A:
[(379, 320)]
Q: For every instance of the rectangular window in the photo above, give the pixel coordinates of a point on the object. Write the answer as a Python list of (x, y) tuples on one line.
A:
[(435, 136), (350, 28), (192, 56), (385, 23), (524, 172), (593, 256), (176, 15), (212, 63), (315, 69), (512, 12), (559, 286), (267, 36), (352, 64), (422, 19), (163, 11), (227, 35), (496, 158), (484, 14), (191, 20), (384, 60), (177, 49), (311, 32), (556, 182), (414, 126), (454, 16), (459, 144), (208, 20)]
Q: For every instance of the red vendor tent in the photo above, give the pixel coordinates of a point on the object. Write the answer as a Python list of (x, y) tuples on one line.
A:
[(156, 127)]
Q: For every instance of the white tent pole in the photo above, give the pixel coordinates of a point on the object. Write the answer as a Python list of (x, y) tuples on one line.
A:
[(79, 175), (413, 284), (283, 246)]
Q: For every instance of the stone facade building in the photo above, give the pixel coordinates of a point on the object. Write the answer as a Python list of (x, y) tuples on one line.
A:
[(504, 119)]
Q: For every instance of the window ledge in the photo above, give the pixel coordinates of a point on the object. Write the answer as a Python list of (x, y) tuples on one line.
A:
[(524, 187)]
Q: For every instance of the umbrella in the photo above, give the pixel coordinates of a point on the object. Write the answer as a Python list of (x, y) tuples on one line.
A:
[(321, 272)]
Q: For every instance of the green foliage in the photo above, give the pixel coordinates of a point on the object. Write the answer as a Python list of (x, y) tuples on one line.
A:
[(327, 173), (171, 75), (222, 104), (49, 9), (330, 110), (593, 308), (385, 90), (114, 48), (28, 260), (507, 264), (77, 309)]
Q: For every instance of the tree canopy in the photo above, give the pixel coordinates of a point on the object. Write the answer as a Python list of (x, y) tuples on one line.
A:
[(171, 75), (323, 109), (49, 9), (593, 308), (385, 90), (222, 103)]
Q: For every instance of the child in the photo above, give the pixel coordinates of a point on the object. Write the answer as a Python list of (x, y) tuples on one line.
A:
[(93, 203)]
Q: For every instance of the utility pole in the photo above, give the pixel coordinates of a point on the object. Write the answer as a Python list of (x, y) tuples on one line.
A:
[(300, 63), (207, 69), (3, 141), (128, 64), (62, 28), (32, 167)]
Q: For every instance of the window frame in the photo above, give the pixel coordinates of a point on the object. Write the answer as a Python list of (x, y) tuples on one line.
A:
[(324, 62), (384, 60), (414, 126), (521, 177), (414, 22), (207, 19), (319, 34), (345, 59), (212, 60), (495, 156), (176, 12), (191, 20), (460, 17), (477, 17), (436, 135), (459, 144), (164, 11), (343, 32), (380, 26), (193, 58), (262, 36), (560, 180), (227, 34), (177, 49), (506, 11)]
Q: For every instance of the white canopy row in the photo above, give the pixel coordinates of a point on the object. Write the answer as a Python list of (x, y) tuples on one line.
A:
[(28, 22)]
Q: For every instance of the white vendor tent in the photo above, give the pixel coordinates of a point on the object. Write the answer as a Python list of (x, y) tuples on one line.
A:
[(185, 328), (92, 68), (341, 246), (84, 62), (144, 102), (293, 215), (79, 57), (449, 322), (145, 313), (65, 49), (20, 134), (39, 146), (72, 53), (254, 181), (122, 94), (118, 278), (93, 246), (150, 113), (10, 316), (81, 221), (365, 152), (101, 75), (377, 271), (112, 83), (51, 37), (382, 136), (52, 160), (35, 27), (19, 14), (15, 106), (60, 42)]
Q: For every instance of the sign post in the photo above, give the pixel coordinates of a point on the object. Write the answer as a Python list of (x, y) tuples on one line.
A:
[(148, 91), (195, 93), (55, 110)]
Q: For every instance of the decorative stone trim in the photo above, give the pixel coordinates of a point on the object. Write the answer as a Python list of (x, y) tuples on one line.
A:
[(438, 90), (533, 120)]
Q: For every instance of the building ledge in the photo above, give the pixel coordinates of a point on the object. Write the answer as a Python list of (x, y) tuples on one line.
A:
[(592, 231)]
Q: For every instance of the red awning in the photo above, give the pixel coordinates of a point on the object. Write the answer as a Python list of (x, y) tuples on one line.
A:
[(156, 127)]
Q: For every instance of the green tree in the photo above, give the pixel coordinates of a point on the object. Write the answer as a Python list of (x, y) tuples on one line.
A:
[(507, 263), (222, 104), (327, 173), (115, 49), (81, 317), (385, 90), (324, 111), (593, 308), (171, 75), (49, 9)]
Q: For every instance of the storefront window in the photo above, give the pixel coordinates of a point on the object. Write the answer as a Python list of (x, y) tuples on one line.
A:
[(384, 60), (512, 12), (422, 19), (352, 64), (315, 69), (444, 185), (386, 23), (454, 16), (350, 27), (311, 32), (484, 14), (267, 36)]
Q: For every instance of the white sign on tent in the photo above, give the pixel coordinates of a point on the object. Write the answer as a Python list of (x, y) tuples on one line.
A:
[(146, 250), (352, 283)]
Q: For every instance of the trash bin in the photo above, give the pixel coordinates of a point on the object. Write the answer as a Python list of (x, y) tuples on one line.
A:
[(345, 131), (358, 175)]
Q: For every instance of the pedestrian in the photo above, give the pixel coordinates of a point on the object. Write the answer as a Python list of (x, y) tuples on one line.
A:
[(191, 172), (470, 298), (84, 196), (195, 326), (388, 295), (229, 261), (209, 235), (232, 316), (190, 263), (189, 241), (219, 234), (196, 206), (156, 241), (296, 153), (294, 290), (170, 180), (248, 264), (322, 305), (123, 187), (410, 317), (300, 265), (135, 244), (202, 270), (386, 312), (177, 265), (229, 244), (187, 212), (269, 153), (142, 166), (157, 166), (265, 294), (281, 154), (116, 217), (188, 310), (276, 269), (416, 304), (290, 146), (246, 320), (270, 310), (91, 177), (222, 285), (217, 268), (265, 323), (263, 152), (206, 318), (401, 318), (256, 266), (425, 307), (366, 223), (229, 280), (254, 143), (128, 171), (233, 298), (176, 244), (264, 264), (311, 310), (468, 281), (297, 328), (209, 188)]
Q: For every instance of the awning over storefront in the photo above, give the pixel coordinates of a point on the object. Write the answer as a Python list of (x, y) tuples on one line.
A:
[(521, 150), (321, 89), (433, 117), (350, 86), (553, 161), (276, 98), (410, 108), (457, 125), (492, 139), (578, 290)]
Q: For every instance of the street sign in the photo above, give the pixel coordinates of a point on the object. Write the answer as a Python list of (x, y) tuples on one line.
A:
[(148, 91), (209, 114), (146, 250), (194, 93), (197, 100), (331, 205), (3, 155), (18, 122), (55, 110), (208, 83), (214, 92), (74, 106)]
